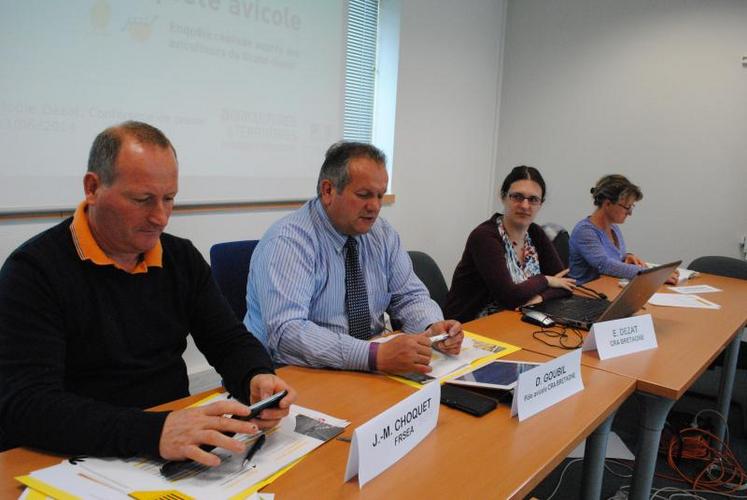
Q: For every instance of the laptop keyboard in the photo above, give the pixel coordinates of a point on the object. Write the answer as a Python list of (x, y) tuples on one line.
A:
[(579, 308)]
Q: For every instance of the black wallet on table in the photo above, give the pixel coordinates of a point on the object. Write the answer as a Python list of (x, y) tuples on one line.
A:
[(466, 400)]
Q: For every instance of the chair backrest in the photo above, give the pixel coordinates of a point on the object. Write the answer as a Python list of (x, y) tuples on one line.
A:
[(560, 238), (731, 268), (230, 265), (723, 266), (427, 270)]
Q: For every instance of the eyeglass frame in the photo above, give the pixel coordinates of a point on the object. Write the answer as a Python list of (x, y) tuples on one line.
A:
[(533, 200), (628, 209)]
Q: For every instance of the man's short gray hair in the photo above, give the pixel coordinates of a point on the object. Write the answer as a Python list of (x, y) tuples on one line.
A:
[(337, 160), (106, 146)]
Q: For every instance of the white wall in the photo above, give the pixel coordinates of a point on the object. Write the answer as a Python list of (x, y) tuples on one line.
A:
[(446, 123), (444, 143), (654, 90)]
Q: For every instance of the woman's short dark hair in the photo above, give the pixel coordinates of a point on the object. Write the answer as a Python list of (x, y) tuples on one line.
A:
[(614, 188), (520, 173)]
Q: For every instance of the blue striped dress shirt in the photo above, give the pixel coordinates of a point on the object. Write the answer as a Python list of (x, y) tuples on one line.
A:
[(296, 290)]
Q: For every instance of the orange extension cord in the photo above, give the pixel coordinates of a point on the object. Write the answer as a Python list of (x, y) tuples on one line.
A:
[(721, 471)]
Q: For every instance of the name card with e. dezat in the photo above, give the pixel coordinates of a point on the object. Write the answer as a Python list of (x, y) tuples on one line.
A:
[(547, 384), (621, 336), (389, 436)]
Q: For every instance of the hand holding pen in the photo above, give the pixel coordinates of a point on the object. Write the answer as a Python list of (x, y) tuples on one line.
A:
[(451, 343)]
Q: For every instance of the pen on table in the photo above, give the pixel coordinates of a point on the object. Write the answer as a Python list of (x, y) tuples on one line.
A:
[(256, 445)]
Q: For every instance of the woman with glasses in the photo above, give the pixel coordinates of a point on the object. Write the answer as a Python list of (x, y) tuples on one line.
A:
[(597, 245), (508, 260)]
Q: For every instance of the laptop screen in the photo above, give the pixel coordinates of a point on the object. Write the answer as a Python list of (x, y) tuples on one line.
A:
[(638, 291)]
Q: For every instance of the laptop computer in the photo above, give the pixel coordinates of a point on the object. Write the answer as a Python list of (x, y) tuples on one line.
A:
[(581, 312)]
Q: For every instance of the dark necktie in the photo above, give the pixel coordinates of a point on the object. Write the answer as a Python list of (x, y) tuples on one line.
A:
[(356, 298)]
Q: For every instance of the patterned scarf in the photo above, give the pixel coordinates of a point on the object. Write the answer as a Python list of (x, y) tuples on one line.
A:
[(520, 271)]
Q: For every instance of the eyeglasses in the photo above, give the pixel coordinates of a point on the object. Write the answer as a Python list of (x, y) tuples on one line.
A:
[(519, 198), (628, 208)]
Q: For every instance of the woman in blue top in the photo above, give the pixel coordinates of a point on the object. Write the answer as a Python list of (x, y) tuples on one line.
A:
[(597, 245)]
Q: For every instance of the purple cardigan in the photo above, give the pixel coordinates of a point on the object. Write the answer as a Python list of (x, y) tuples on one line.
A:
[(591, 253), (482, 276)]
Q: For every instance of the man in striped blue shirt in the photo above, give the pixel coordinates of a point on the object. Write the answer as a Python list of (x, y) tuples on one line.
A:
[(298, 303)]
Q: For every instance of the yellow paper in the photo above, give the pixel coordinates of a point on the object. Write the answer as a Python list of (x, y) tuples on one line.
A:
[(47, 489), (157, 495)]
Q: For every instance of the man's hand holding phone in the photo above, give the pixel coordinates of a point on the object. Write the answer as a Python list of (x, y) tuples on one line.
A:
[(191, 433), (263, 394)]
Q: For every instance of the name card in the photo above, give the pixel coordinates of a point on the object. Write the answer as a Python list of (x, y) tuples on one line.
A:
[(621, 336), (380, 442), (547, 384)]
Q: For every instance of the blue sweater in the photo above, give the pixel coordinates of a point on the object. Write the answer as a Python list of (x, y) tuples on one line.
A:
[(592, 253)]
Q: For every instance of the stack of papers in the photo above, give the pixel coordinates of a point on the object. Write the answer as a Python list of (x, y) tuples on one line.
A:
[(476, 350), (685, 297), (298, 434), (685, 274), (681, 300), (694, 289)]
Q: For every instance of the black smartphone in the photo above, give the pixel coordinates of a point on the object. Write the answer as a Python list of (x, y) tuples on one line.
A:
[(270, 402), (466, 400)]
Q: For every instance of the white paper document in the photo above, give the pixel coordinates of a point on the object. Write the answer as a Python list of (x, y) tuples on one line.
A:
[(681, 300), (65, 476), (694, 289), (298, 434), (472, 350), (443, 365)]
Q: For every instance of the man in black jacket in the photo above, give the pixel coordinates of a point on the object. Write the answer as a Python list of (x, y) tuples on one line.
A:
[(94, 316)]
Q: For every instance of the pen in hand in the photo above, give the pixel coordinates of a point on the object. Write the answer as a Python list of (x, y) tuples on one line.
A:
[(438, 338), (256, 445)]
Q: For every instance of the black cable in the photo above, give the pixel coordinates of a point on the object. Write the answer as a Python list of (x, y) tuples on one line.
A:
[(585, 290), (560, 333)]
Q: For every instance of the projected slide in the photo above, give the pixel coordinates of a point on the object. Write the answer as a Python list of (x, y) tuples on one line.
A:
[(249, 91)]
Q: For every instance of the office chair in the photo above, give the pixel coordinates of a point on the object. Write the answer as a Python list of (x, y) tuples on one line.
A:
[(560, 240), (730, 268), (723, 266), (427, 270), (230, 264)]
